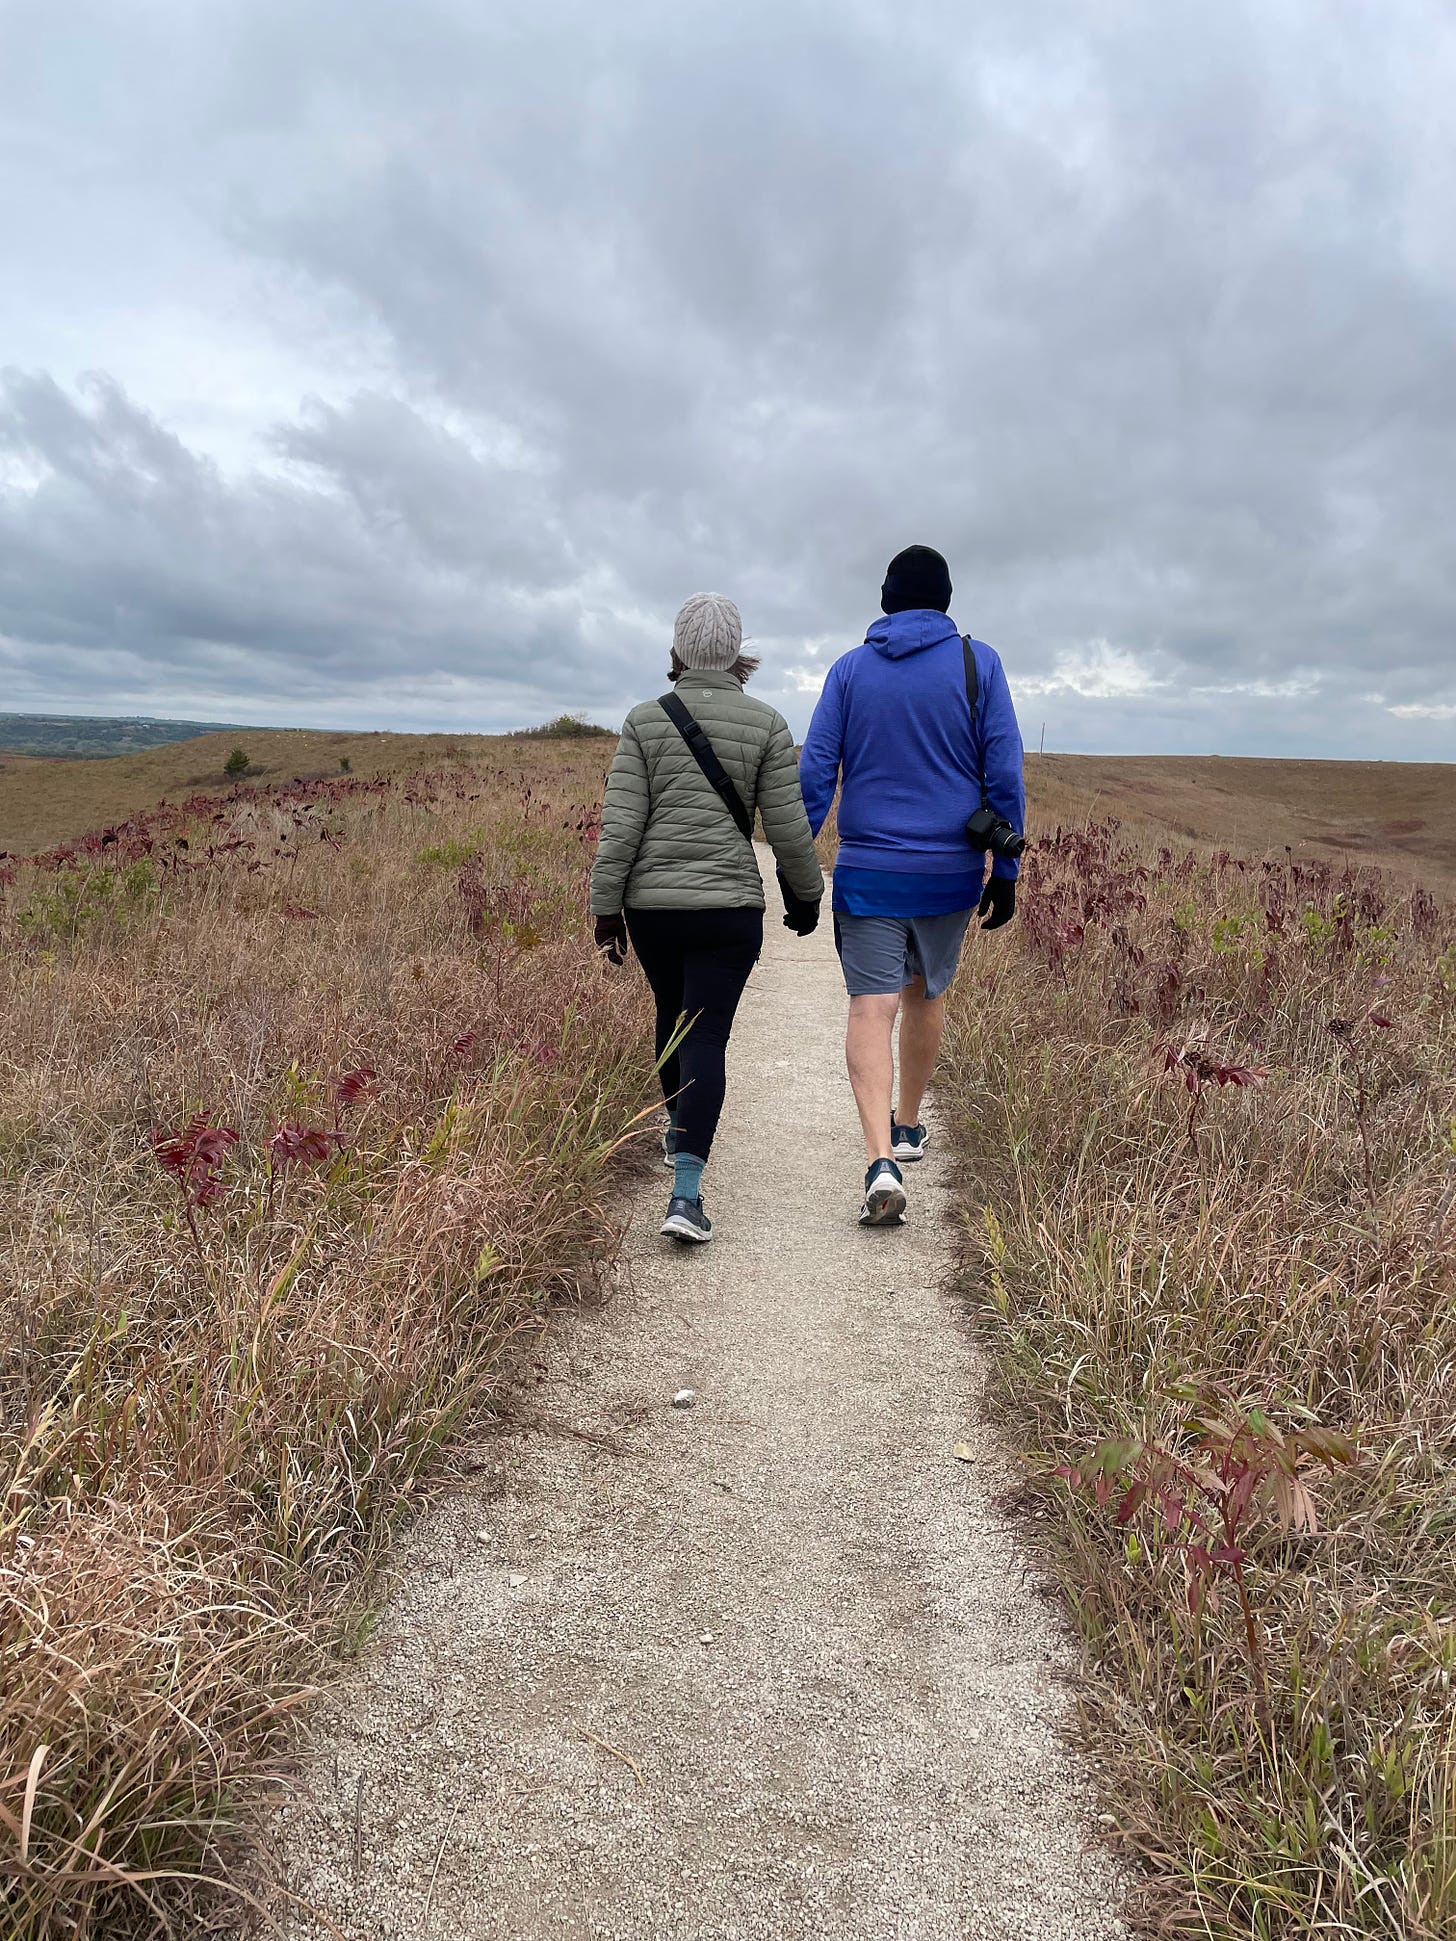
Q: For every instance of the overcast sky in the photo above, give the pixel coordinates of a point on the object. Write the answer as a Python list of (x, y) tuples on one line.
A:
[(405, 365)]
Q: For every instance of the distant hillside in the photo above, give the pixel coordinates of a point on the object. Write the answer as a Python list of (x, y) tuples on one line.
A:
[(1401, 815), (81, 736), (43, 802)]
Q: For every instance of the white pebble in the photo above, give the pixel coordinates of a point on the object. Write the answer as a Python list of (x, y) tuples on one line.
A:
[(685, 1398)]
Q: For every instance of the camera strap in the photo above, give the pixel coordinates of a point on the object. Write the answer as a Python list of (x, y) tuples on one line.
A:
[(973, 695), (701, 750)]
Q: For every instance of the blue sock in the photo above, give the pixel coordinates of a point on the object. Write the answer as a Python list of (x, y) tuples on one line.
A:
[(687, 1177)]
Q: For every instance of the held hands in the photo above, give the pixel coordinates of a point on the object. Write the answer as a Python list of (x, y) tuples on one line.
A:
[(611, 933), (800, 917), (998, 902)]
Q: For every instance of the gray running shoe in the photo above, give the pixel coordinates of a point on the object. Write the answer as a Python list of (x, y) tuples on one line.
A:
[(687, 1221), (884, 1200)]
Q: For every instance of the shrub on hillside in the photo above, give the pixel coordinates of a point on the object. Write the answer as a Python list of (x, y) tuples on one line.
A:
[(566, 727)]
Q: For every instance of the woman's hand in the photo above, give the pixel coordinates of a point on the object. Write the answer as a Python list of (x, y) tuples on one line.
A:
[(799, 916), (612, 938)]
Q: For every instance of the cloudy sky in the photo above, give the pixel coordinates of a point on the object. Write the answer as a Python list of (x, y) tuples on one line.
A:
[(394, 365)]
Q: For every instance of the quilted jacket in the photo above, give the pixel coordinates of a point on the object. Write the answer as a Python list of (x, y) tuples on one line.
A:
[(668, 842)]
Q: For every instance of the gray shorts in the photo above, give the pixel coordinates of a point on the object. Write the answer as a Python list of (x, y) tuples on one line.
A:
[(881, 955)]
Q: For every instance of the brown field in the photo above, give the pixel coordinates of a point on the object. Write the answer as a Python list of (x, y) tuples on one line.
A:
[(1401, 815)]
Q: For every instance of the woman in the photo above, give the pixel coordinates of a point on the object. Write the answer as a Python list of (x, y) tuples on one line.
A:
[(678, 875)]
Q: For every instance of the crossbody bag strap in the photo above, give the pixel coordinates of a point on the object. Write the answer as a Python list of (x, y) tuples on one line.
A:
[(701, 750), (973, 695)]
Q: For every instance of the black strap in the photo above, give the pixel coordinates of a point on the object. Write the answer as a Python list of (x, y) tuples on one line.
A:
[(973, 695), (701, 750)]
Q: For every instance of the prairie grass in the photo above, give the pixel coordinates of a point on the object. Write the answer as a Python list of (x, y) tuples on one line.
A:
[(1140, 1254), (220, 1382)]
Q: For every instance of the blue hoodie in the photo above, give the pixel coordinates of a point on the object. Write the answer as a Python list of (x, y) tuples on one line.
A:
[(893, 728)]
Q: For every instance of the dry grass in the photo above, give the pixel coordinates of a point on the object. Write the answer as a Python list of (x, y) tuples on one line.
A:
[(1295, 1254), (204, 1444)]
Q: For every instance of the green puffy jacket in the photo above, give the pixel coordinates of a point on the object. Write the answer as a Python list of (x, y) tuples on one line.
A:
[(668, 841)]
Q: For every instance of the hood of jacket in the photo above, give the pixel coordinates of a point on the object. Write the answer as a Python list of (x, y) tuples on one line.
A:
[(898, 635)]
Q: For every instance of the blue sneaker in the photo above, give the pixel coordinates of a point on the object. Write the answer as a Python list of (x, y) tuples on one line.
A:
[(687, 1221), (908, 1142), (884, 1200)]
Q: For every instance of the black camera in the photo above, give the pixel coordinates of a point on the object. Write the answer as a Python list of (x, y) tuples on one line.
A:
[(987, 830)]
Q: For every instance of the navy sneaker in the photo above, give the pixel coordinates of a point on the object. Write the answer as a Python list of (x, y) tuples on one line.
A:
[(669, 1148), (884, 1200), (908, 1142), (687, 1221)]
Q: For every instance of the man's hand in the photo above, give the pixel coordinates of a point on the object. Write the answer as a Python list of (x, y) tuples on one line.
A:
[(612, 938), (998, 902)]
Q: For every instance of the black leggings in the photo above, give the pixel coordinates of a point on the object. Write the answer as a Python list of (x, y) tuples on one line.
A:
[(697, 962)]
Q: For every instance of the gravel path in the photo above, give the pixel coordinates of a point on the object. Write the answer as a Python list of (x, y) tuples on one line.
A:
[(770, 1666)]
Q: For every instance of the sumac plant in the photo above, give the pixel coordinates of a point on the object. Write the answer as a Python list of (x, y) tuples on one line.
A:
[(1197, 1069), (356, 1087), (1348, 1034), (293, 1143), (1234, 1470), (193, 1158)]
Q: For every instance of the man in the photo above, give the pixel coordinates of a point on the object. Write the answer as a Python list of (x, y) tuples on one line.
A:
[(894, 728)]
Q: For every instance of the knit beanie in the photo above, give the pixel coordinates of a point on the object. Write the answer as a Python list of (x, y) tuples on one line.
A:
[(708, 632), (918, 577)]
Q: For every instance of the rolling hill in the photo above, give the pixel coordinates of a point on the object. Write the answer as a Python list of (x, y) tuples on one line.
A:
[(1398, 814)]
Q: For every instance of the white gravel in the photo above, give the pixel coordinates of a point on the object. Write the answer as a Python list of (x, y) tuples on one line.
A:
[(782, 1673)]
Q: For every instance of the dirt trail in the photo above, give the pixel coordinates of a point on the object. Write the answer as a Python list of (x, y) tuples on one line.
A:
[(779, 1673)]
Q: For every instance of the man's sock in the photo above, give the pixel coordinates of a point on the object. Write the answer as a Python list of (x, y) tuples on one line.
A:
[(687, 1177)]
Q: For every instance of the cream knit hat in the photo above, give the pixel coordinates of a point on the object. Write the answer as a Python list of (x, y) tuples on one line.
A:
[(708, 632)]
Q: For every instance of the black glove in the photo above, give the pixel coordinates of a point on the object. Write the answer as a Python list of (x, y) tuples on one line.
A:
[(799, 916), (612, 938), (999, 898)]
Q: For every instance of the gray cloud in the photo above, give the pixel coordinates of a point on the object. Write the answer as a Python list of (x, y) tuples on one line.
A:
[(445, 354)]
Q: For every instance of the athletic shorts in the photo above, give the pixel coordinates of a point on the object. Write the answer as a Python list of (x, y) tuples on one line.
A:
[(881, 955)]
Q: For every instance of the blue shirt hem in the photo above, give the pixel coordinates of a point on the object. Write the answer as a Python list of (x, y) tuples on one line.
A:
[(892, 893)]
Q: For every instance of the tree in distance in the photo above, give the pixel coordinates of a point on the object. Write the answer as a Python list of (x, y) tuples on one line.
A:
[(236, 763), (566, 727)]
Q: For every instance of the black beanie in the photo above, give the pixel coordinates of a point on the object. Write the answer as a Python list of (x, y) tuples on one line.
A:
[(918, 577)]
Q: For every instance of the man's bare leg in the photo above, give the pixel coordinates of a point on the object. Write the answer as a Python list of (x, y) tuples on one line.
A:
[(871, 1060), (922, 1026)]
